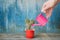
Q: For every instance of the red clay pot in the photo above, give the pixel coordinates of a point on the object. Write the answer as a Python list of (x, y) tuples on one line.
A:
[(29, 33)]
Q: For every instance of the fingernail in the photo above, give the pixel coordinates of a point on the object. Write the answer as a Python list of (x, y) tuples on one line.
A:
[(42, 11)]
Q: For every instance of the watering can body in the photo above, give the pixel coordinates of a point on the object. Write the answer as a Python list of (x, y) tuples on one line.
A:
[(41, 19)]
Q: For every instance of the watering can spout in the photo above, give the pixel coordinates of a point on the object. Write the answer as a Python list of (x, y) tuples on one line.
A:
[(36, 24)]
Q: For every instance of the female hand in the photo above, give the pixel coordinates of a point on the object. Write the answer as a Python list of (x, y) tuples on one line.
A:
[(48, 7)]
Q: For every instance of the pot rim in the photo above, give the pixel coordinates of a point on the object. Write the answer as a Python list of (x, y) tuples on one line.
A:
[(30, 29)]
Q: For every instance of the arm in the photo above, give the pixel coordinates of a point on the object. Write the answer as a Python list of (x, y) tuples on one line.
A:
[(48, 7), (58, 0)]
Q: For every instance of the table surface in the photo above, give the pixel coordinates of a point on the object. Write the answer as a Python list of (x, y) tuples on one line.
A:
[(42, 36)]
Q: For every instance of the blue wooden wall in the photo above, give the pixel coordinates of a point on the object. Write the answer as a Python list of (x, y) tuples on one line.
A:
[(14, 12)]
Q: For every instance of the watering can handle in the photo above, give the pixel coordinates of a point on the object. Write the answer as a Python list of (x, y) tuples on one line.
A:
[(43, 14)]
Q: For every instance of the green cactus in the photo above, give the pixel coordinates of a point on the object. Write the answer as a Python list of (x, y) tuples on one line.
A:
[(32, 22), (29, 23)]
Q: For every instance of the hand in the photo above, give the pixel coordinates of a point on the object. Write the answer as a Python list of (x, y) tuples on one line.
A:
[(48, 7)]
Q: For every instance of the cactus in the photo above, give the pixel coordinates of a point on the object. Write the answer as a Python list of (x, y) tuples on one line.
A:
[(29, 23)]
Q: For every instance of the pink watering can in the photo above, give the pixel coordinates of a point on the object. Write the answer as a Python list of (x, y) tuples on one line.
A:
[(41, 19)]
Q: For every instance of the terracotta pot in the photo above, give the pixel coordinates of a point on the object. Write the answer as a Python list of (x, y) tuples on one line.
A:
[(29, 33)]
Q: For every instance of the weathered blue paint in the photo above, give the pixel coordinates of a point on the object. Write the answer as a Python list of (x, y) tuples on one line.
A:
[(14, 12)]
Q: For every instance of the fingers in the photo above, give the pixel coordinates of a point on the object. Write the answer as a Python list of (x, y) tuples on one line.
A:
[(49, 12), (47, 9), (43, 8), (46, 6)]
